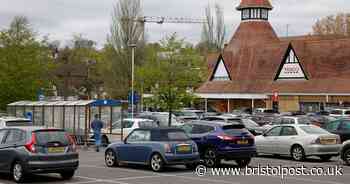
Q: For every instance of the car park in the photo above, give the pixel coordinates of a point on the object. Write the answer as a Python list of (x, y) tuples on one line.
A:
[(218, 141), (156, 147), (30, 150), (299, 141)]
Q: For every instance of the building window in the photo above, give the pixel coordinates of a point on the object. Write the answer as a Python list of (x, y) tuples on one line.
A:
[(264, 14), (245, 14)]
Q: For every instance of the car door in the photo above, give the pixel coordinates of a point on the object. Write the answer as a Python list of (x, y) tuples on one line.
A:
[(200, 135), (3, 150), (267, 142), (286, 139), (13, 140), (136, 147)]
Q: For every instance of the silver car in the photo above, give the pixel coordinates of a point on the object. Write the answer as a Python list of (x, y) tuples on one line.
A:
[(299, 141)]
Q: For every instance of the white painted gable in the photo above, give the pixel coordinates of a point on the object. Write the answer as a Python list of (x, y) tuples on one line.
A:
[(221, 73), (291, 68)]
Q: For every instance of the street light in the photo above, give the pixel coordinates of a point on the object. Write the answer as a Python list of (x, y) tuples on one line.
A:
[(132, 46)]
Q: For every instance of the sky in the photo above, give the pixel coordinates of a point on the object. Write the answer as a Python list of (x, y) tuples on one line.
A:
[(61, 19)]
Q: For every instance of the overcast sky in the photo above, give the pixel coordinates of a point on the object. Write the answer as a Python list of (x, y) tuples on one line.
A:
[(60, 19)]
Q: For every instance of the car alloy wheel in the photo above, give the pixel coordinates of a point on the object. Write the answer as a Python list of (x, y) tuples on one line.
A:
[(347, 156), (17, 172), (298, 153), (156, 162), (210, 158), (110, 159)]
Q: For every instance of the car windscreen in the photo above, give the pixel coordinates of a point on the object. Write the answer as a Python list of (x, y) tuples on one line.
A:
[(234, 130), (313, 130), (19, 123), (45, 137), (170, 135)]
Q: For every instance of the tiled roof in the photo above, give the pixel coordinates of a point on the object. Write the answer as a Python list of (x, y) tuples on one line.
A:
[(255, 3)]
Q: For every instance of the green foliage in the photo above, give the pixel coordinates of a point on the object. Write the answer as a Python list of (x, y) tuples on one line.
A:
[(24, 63), (171, 70)]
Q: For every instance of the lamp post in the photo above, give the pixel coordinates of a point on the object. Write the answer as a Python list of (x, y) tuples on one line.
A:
[(132, 46)]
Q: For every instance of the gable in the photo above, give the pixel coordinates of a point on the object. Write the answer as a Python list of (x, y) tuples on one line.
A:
[(290, 68), (220, 71)]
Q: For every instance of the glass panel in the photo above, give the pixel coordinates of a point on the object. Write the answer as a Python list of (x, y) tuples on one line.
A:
[(58, 117), (48, 116), (38, 116), (80, 130), (106, 118), (19, 111), (28, 112), (69, 119)]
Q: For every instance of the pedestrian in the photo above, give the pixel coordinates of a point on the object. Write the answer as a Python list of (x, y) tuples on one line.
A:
[(96, 126)]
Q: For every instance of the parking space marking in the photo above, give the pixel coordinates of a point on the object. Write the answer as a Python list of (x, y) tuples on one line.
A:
[(80, 182), (310, 180), (139, 177), (197, 178), (101, 180)]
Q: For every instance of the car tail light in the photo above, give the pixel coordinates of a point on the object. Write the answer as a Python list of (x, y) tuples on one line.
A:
[(167, 148), (72, 144), (30, 145), (316, 141), (226, 138)]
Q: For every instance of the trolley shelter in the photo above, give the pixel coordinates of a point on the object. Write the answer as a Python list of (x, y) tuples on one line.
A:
[(73, 116)]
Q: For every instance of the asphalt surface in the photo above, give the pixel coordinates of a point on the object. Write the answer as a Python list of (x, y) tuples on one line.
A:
[(93, 170)]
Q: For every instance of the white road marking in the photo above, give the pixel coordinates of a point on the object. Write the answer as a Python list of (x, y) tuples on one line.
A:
[(309, 180), (102, 180)]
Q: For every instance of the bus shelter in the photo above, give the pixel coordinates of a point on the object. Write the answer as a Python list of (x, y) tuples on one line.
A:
[(73, 116)]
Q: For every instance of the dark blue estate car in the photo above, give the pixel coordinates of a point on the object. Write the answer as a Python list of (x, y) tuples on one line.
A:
[(219, 140), (155, 147)]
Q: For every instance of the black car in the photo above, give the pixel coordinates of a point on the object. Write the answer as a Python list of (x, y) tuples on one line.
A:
[(30, 150), (342, 128)]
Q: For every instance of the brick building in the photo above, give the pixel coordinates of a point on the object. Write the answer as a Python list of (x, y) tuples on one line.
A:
[(307, 72)]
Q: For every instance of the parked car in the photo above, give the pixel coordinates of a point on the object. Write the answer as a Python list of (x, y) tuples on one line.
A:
[(199, 113), (218, 141), (8, 121), (161, 118), (299, 141), (186, 116), (283, 120), (27, 150), (262, 118), (321, 120), (340, 127), (130, 124), (155, 147), (339, 113)]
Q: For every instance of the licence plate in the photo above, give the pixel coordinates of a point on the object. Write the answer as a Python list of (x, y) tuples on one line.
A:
[(55, 149), (242, 142), (184, 148), (328, 141)]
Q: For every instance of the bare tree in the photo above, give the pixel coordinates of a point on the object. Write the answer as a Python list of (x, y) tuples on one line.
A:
[(123, 32), (214, 31), (333, 25)]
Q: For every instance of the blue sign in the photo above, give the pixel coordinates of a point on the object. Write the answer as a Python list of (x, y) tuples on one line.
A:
[(136, 98), (106, 103)]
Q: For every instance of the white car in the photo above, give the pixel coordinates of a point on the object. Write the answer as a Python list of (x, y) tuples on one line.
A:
[(298, 120), (6, 121), (299, 141), (339, 112), (131, 124)]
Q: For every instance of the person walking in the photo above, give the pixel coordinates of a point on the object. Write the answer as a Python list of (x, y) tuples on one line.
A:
[(96, 126)]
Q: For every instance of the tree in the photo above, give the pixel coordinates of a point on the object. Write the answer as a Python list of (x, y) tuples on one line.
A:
[(170, 71), (117, 53), (333, 25), (214, 32), (25, 63)]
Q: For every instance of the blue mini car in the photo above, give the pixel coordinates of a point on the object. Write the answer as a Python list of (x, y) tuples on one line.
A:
[(218, 141), (155, 147)]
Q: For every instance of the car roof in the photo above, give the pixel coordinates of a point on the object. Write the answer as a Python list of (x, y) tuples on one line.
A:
[(31, 128), (160, 128), (137, 119), (210, 123)]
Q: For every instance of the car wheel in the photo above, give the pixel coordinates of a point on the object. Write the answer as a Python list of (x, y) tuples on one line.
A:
[(210, 158), (111, 158), (325, 158), (346, 156), (243, 162), (67, 175), (156, 163), (17, 172), (298, 153)]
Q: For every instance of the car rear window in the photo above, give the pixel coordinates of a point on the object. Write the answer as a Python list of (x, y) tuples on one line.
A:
[(173, 135), (234, 129), (19, 123), (313, 130), (43, 137)]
